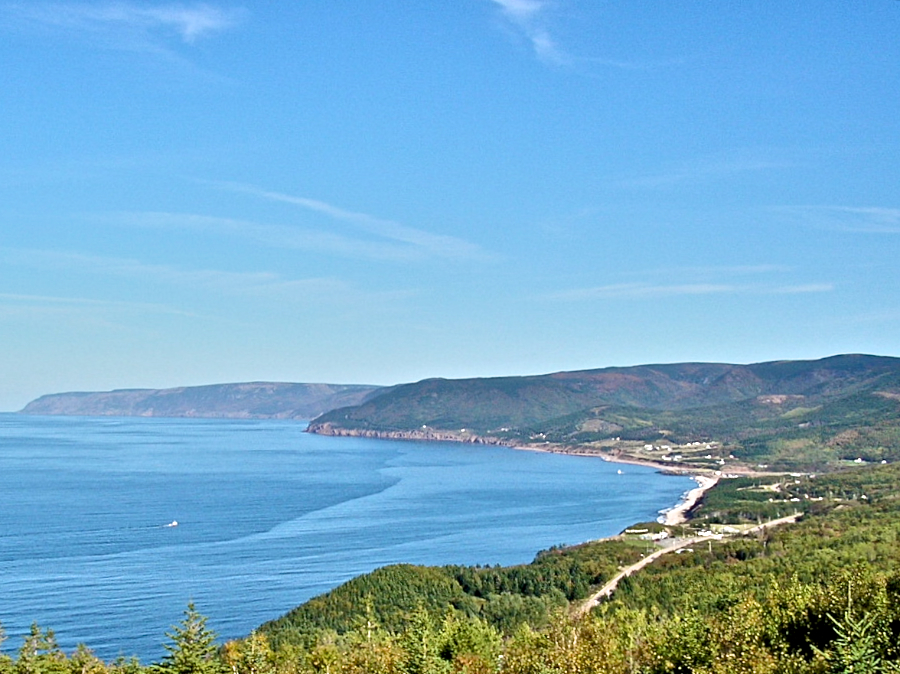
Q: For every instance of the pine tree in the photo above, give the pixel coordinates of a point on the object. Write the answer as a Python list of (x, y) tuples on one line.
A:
[(420, 643), (193, 648), (855, 649), (40, 653)]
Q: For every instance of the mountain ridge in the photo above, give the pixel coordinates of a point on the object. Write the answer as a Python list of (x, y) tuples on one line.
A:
[(848, 404), (250, 400), (792, 414), (660, 387)]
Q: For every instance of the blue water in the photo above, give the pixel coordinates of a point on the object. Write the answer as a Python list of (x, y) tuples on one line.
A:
[(268, 516)]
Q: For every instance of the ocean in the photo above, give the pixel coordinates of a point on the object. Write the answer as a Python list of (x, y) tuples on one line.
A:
[(109, 526)]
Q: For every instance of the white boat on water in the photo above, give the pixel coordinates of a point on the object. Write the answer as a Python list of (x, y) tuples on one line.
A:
[(173, 523)]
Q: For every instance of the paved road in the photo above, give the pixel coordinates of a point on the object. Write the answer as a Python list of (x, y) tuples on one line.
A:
[(676, 544)]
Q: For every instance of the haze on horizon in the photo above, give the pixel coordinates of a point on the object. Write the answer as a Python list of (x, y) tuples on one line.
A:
[(196, 193)]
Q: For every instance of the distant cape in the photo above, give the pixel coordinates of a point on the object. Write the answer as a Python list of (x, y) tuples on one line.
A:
[(255, 400)]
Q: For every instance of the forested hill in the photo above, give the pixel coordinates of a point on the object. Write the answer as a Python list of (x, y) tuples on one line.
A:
[(846, 397), (818, 596), (257, 400)]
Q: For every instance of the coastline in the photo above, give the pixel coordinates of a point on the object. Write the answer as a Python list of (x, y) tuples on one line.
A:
[(428, 434), (677, 514), (612, 457)]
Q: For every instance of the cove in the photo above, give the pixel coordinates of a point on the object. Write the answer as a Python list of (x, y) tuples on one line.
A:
[(267, 517)]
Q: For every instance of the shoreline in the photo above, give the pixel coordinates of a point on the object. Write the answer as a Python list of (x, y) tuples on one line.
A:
[(677, 514), (611, 457)]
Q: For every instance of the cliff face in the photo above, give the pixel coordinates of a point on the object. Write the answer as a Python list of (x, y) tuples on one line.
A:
[(257, 400)]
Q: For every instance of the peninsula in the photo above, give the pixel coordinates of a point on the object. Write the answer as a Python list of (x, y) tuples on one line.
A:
[(255, 400)]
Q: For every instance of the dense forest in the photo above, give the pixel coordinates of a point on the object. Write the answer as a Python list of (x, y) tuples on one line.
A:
[(819, 595)]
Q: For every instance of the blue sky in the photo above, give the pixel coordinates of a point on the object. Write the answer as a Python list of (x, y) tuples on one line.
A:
[(381, 192)]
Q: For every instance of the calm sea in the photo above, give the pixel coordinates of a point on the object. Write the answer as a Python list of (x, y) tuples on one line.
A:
[(268, 517)]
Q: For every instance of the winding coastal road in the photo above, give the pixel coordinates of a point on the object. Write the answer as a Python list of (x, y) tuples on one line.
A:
[(673, 544)]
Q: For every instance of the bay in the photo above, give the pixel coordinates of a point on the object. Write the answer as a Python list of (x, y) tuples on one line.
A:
[(267, 517)]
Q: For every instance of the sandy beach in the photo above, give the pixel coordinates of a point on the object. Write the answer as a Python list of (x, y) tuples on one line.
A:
[(674, 516), (678, 514)]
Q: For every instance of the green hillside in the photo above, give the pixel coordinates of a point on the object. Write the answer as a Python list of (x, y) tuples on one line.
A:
[(818, 596), (787, 413), (504, 597)]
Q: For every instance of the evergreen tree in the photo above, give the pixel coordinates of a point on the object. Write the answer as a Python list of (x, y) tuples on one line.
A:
[(856, 647), (83, 661), (193, 648), (123, 665), (40, 654), (369, 648), (6, 662), (421, 646)]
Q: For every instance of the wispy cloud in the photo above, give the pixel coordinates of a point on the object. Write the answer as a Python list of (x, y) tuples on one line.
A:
[(12, 304), (749, 279), (861, 219), (229, 283), (127, 267), (390, 238), (636, 290), (530, 19), (652, 291), (278, 236), (705, 169), (126, 25), (527, 16), (717, 271)]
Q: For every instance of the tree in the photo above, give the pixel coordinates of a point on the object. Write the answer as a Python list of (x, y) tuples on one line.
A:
[(40, 653), (369, 648), (685, 645), (6, 663), (83, 661), (469, 644), (856, 649), (252, 655), (123, 665), (420, 643), (193, 648)]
